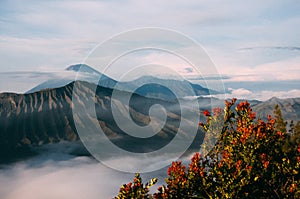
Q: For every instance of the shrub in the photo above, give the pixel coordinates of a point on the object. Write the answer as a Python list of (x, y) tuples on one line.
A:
[(136, 189), (247, 161)]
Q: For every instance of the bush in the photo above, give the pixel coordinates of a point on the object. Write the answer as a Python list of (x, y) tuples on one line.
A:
[(136, 189), (247, 161)]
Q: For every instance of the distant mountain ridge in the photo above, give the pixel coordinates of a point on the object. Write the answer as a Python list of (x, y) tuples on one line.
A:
[(290, 108), (151, 90), (59, 82)]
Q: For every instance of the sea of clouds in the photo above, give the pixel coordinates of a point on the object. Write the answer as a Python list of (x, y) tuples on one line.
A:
[(55, 173)]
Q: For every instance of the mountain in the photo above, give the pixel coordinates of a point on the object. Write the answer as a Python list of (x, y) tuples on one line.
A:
[(162, 88), (290, 108), (159, 88), (46, 116), (33, 119), (83, 68), (63, 81), (49, 84), (105, 81)]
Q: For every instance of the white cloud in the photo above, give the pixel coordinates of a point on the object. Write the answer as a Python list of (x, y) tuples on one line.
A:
[(56, 174), (16, 79), (78, 178), (284, 69), (38, 53), (242, 93), (54, 34)]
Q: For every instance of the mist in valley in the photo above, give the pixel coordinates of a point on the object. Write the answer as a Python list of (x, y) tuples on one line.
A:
[(57, 173)]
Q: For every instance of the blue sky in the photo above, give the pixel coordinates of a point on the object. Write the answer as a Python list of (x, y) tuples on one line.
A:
[(247, 41)]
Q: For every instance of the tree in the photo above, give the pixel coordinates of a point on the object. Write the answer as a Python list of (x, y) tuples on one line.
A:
[(297, 128), (248, 161), (280, 123), (136, 190), (293, 139)]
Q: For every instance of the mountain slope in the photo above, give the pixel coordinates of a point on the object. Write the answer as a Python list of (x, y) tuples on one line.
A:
[(290, 108), (46, 117), (161, 88)]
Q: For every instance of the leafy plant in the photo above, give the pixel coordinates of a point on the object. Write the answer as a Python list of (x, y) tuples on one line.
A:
[(247, 161), (136, 189)]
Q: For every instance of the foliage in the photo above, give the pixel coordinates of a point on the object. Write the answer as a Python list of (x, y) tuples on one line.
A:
[(280, 123), (297, 128), (136, 190), (248, 160), (292, 140)]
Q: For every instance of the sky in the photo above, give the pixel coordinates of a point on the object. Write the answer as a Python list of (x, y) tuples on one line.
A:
[(247, 41)]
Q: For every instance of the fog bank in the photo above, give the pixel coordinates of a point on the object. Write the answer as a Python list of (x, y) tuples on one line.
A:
[(57, 174)]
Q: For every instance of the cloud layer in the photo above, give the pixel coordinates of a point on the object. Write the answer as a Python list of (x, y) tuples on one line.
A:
[(43, 35), (55, 174), (242, 93)]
